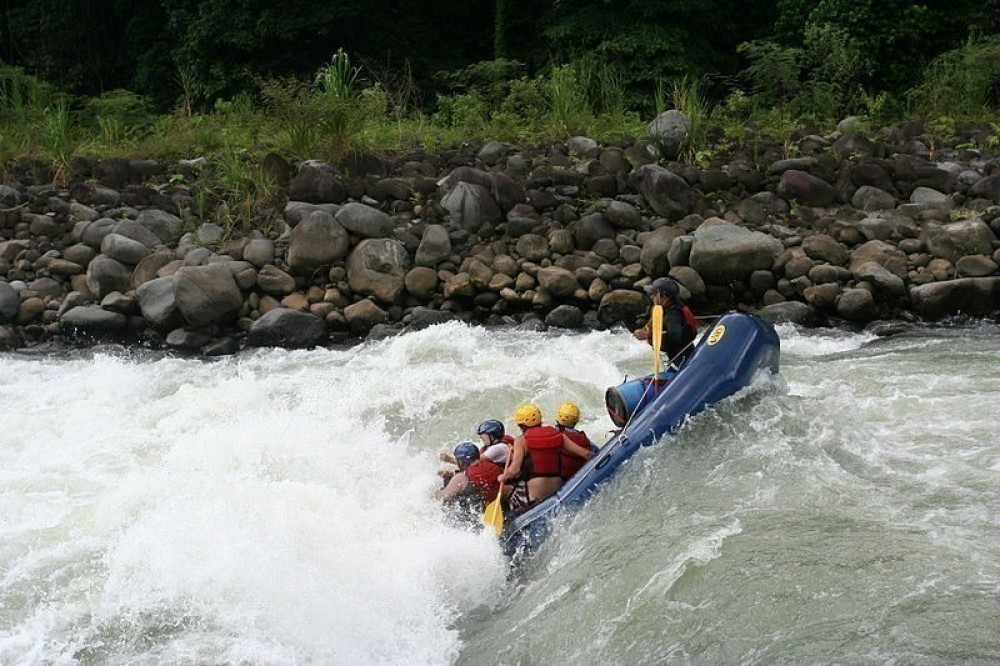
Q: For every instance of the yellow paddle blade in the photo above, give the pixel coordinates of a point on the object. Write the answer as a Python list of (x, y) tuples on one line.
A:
[(657, 333), (493, 516)]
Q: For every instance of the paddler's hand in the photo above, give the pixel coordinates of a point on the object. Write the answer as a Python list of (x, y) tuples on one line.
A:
[(641, 333), (444, 456)]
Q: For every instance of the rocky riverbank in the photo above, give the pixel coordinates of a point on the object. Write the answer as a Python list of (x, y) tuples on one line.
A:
[(850, 229)]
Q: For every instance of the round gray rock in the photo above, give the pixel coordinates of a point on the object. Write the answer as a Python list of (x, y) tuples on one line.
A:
[(724, 252), (283, 327), (377, 267)]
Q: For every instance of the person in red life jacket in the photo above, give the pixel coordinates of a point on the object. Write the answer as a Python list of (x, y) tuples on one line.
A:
[(477, 481), (680, 328), (567, 416), (545, 448)]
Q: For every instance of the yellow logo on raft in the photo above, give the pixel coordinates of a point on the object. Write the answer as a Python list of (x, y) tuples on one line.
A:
[(716, 334)]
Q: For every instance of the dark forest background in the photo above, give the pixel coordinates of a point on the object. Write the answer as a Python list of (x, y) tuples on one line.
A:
[(217, 48)]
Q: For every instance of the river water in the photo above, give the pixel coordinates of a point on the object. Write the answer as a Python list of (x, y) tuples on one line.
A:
[(273, 508)]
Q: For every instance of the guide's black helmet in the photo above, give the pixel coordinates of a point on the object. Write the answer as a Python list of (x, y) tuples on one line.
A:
[(663, 286)]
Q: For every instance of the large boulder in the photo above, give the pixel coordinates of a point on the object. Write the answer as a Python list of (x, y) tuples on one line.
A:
[(822, 247), (147, 269), (421, 318), (881, 253), (435, 246), (884, 281), (804, 188), (959, 239), (316, 243), (987, 188), (532, 247), (158, 303), (316, 182), (10, 303), (559, 282), (975, 265), (507, 192), (274, 281), (92, 194), (124, 249), (421, 282), (974, 296), (93, 233), (364, 221), (669, 133), (857, 305), (207, 294), (259, 251), (93, 319), (363, 315), (795, 312), (470, 206), (623, 215), (296, 211), (165, 226), (377, 267), (137, 232), (565, 316), (667, 193), (869, 198), (590, 229), (623, 306), (654, 256), (725, 252), (105, 275), (283, 327)]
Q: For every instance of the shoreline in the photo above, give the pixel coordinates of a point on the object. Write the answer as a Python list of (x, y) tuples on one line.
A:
[(851, 230)]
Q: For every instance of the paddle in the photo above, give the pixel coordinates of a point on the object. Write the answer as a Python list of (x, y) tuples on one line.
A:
[(493, 516), (657, 333)]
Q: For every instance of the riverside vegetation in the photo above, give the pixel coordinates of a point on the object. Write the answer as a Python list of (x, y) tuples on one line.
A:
[(337, 218)]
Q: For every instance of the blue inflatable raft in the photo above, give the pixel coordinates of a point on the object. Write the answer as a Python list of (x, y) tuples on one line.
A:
[(727, 358)]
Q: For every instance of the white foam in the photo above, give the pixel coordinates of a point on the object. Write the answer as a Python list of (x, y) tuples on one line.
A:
[(811, 342), (259, 500)]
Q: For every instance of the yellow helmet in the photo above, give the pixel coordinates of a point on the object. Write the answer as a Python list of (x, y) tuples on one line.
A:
[(568, 414), (527, 416)]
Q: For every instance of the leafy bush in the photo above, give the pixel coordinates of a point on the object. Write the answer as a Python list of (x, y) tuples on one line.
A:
[(962, 82), (466, 112), (568, 113)]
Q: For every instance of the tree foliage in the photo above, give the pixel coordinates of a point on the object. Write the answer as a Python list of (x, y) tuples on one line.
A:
[(180, 53)]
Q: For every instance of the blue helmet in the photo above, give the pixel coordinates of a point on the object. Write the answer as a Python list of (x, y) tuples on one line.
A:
[(466, 452), (493, 428)]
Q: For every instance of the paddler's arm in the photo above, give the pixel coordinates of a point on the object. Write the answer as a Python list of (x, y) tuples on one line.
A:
[(455, 487), (516, 460), (576, 449)]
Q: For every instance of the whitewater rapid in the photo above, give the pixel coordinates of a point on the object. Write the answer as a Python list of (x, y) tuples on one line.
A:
[(274, 508)]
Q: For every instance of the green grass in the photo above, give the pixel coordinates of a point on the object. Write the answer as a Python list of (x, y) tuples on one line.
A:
[(338, 113)]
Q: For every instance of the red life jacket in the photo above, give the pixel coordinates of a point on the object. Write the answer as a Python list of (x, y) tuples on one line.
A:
[(482, 476), (571, 462), (689, 319), (545, 448)]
